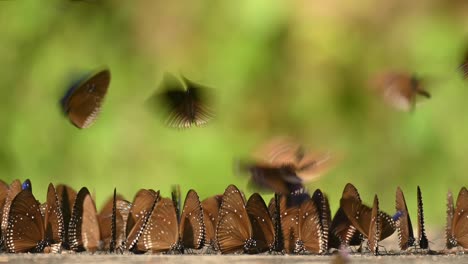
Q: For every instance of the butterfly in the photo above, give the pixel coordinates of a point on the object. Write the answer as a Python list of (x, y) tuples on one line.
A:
[(210, 208), (405, 230), (82, 102), (399, 89), (26, 185), (66, 196), (275, 207), (372, 223), (83, 230), (243, 228), (185, 102), (13, 189), (302, 229), (138, 217), (342, 231), (457, 232), (28, 230), (164, 233), (464, 66), (111, 223), (323, 207)]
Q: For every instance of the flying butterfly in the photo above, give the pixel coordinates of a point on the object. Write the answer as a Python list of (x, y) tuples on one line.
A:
[(28, 230), (464, 66), (164, 233), (210, 208), (399, 89), (83, 230), (372, 223), (138, 217), (83, 101), (458, 235), (185, 102)]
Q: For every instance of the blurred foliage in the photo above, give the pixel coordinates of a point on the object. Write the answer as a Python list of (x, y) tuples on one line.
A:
[(297, 68)]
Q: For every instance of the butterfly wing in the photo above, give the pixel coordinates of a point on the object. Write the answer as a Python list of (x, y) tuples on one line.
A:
[(323, 207), (262, 226), (423, 242), (210, 217), (448, 227), (13, 190), (460, 219), (233, 231), (67, 196), (192, 227), (161, 233), (405, 229), (53, 219), (375, 228), (310, 228), (25, 229)]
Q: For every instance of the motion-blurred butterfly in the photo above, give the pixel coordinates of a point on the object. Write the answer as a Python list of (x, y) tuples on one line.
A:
[(372, 223), (457, 230), (186, 102), (400, 89), (464, 65), (83, 230), (405, 230), (28, 230), (82, 102), (163, 232), (243, 228)]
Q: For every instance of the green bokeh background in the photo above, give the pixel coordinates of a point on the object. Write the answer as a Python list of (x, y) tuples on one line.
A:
[(297, 68)]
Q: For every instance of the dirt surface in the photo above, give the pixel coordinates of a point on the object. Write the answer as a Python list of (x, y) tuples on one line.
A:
[(177, 259)]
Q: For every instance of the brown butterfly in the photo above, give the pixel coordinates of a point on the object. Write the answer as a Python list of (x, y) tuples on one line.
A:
[(28, 230), (185, 102), (138, 217), (399, 89), (66, 196), (164, 233), (210, 217), (323, 207), (111, 223), (13, 190), (302, 229), (83, 230), (458, 232), (372, 223), (82, 102)]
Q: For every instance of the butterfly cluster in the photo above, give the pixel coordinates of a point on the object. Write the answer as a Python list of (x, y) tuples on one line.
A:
[(296, 223)]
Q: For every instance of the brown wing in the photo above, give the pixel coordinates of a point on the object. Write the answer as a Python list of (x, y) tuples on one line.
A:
[(262, 226), (13, 190), (192, 227), (310, 228), (233, 231), (375, 228), (405, 229), (143, 204), (210, 216), (161, 232), (53, 219), (107, 216), (323, 207), (460, 219), (84, 104), (448, 226)]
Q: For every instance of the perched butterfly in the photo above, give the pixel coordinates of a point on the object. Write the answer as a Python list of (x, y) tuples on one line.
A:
[(143, 204), (323, 207), (372, 223), (458, 235), (66, 196), (13, 190), (83, 230), (185, 102), (175, 194), (275, 207), (448, 227), (27, 185), (82, 102), (28, 230), (400, 89), (405, 229), (235, 231), (342, 231), (164, 233), (111, 224), (302, 229), (210, 208), (423, 242)]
